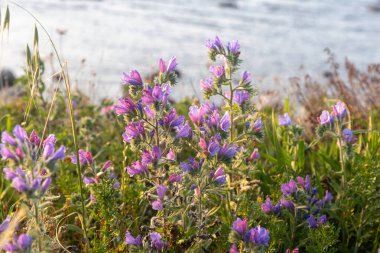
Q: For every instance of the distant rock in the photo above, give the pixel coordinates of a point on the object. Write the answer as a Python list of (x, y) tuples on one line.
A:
[(7, 78), (229, 4), (374, 7)]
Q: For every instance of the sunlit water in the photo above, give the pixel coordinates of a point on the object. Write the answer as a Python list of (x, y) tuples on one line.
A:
[(277, 37)]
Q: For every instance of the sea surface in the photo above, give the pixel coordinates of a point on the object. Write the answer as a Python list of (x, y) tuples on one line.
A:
[(279, 38)]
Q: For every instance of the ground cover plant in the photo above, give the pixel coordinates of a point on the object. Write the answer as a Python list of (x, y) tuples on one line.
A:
[(144, 174)]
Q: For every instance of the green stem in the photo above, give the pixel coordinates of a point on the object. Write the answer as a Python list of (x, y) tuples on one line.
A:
[(38, 226)]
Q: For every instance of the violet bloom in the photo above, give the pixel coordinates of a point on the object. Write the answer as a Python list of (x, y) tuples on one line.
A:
[(184, 131), (227, 151), (301, 182), (19, 184), (197, 115), (171, 155), (161, 191), (260, 235), (171, 119), (240, 226), (175, 178), (284, 120), (246, 78), (214, 45), (124, 106), (348, 136), (233, 249), (217, 71), (213, 146), (289, 188), (255, 155), (6, 138), (162, 66), (213, 119), (240, 96), (18, 243), (312, 222), (207, 85), (20, 133), (257, 125), (325, 118), (157, 242), (219, 176), (88, 181), (267, 206), (130, 240), (59, 154), (287, 203), (307, 183), (136, 168), (225, 122), (156, 94), (85, 157), (172, 64), (157, 205), (6, 153), (4, 225), (322, 220), (339, 110), (9, 174), (133, 130), (233, 47), (34, 139), (133, 78)]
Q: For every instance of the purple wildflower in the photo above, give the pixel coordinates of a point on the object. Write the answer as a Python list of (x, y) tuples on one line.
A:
[(325, 118), (225, 122), (240, 226), (339, 110), (301, 182), (85, 157), (254, 156), (171, 155), (257, 125), (207, 85), (6, 138), (171, 119), (4, 225), (312, 222), (136, 168), (9, 174), (20, 134), (24, 241), (214, 45), (217, 71), (233, 47), (287, 203), (130, 240), (34, 139), (284, 120), (227, 151), (161, 191), (259, 235), (348, 136), (289, 188), (157, 241), (246, 78), (124, 106), (6, 153), (134, 130), (184, 131), (219, 176), (197, 115), (19, 184), (172, 64), (240, 96), (133, 78), (322, 220), (234, 249), (267, 206), (175, 178)]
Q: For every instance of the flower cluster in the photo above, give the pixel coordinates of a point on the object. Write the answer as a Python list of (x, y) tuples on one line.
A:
[(256, 237), (302, 198), (17, 243)]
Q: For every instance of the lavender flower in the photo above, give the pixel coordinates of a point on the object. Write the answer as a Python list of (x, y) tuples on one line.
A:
[(214, 45), (285, 120), (322, 220), (9, 174), (219, 176), (312, 222), (289, 188), (157, 241), (133, 78), (6, 153), (217, 71), (227, 151), (125, 106), (240, 97), (184, 131), (260, 235), (175, 178), (339, 110), (257, 125), (161, 191), (171, 155), (233, 47), (4, 225), (197, 115), (225, 122), (325, 118), (134, 130), (207, 85), (20, 134), (240, 226), (130, 240), (287, 203), (234, 249), (254, 156), (6, 138), (85, 157), (267, 206), (171, 65), (34, 139), (348, 136), (171, 119), (246, 78), (136, 168)]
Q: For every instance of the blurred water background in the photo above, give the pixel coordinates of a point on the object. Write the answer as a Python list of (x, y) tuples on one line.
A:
[(279, 38)]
